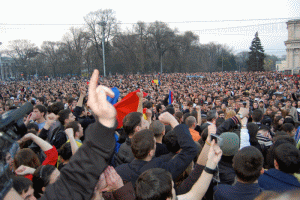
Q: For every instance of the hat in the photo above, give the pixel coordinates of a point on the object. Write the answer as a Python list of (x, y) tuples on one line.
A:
[(230, 144)]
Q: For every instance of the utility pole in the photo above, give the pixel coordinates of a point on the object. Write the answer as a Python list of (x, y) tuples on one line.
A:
[(103, 24)]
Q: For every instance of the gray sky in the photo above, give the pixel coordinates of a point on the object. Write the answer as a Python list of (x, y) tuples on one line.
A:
[(209, 19)]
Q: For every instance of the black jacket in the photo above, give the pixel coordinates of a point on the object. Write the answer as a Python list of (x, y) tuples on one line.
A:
[(124, 154), (78, 179), (174, 164), (55, 135)]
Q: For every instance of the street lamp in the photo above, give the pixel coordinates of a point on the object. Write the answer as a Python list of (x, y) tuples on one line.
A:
[(2, 74), (103, 24)]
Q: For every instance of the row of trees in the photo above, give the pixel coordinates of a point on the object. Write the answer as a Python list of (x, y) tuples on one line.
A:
[(145, 48)]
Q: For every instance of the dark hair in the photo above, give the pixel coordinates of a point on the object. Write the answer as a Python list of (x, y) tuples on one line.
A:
[(178, 116), (289, 120), (171, 142), (55, 108), (247, 164), (287, 127), (288, 158), (253, 129), (154, 183), (158, 107), (63, 115), (41, 178), (71, 99), (41, 99), (142, 143), (147, 104), (41, 108), (157, 128), (277, 140), (131, 121), (21, 184), (74, 125), (257, 115), (26, 157), (185, 116), (33, 126), (170, 109), (212, 114), (65, 151)]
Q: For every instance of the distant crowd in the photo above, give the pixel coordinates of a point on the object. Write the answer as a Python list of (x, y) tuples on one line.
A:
[(215, 135)]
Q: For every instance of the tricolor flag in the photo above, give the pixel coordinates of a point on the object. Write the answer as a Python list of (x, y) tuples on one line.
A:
[(156, 81), (170, 97)]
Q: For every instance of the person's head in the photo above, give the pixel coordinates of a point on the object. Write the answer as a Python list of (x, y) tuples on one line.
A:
[(288, 103), (159, 108), (65, 151), (289, 129), (32, 127), (212, 116), (65, 116), (55, 108), (40, 101), (287, 158), (44, 176), (155, 183), (157, 128), (229, 114), (257, 115), (190, 122), (171, 142), (26, 157), (23, 187), (221, 114), (77, 129), (40, 111), (247, 164), (178, 116), (170, 109), (143, 145), (133, 122), (255, 105), (278, 120)]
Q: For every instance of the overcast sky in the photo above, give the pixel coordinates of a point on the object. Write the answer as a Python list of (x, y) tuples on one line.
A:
[(198, 14)]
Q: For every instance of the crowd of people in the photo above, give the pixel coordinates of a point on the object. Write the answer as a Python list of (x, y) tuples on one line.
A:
[(215, 135)]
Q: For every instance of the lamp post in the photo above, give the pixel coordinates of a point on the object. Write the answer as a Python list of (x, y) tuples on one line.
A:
[(2, 73), (103, 24)]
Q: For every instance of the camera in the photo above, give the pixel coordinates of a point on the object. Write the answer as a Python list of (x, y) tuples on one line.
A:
[(11, 129)]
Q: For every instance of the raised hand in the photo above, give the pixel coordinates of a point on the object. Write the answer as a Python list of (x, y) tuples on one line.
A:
[(24, 170), (167, 118), (214, 155), (98, 103)]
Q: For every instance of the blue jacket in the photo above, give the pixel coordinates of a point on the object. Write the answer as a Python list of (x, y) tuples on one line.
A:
[(129, 172), (278, 181)]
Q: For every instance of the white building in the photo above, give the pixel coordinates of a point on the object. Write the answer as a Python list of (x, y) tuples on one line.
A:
[(293, 46)]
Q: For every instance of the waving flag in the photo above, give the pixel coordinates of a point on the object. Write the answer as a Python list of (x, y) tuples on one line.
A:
[(156, 81), (170, 97), (127, 105), (115, 99)]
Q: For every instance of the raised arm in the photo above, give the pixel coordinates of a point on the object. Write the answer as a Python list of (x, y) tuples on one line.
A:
[(200, 187), (45, 146), (78, 179), (140, 107), (70, 134)]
